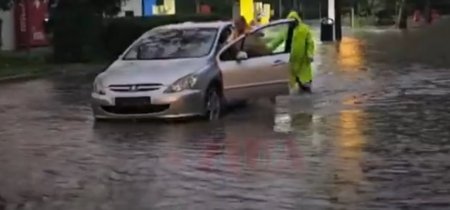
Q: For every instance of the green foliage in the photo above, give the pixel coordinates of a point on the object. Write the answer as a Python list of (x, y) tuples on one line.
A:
[(101, 7), (75, 29), (5, 4), (82, 36)]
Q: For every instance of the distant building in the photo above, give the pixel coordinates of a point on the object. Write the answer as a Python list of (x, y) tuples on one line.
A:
[(7, 41), (132, 8), (23, 25), (136, 8)]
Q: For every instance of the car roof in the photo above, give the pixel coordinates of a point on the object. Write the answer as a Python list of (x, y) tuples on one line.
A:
[(212, 24)]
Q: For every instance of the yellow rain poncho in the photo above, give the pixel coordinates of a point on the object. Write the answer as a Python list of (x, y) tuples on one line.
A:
[(302, 51)]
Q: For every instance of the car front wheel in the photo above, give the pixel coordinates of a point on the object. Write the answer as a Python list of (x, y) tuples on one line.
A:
[(213, 104)]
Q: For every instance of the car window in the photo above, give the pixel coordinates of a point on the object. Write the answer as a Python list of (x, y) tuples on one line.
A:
[(230, 53), (225, 34), (172, 43), (266, 41)]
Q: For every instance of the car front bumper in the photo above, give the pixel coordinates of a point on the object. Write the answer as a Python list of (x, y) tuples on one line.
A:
[(187, 103)]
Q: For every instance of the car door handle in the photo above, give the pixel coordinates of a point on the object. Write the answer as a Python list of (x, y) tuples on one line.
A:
[(278, 62)]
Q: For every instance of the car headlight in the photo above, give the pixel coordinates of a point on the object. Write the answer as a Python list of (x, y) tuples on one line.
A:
[(187, 82), (99, 88)]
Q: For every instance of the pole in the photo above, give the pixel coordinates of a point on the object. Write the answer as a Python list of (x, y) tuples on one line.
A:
[(428, 11), (1, 37), (338, 22), (403, 17), (280, 9), (353, 17), (332, 15), (320, 9), (28, 27), (324, 8)]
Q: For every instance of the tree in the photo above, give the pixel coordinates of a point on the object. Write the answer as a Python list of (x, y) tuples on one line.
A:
[(103, 7), (403, 16), (5, 4), (107, 7)]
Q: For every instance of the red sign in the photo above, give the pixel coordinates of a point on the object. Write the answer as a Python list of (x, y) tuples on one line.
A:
[(29, 18), (205, 9)]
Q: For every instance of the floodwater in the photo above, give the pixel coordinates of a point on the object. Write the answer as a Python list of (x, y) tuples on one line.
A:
[(374, 135)]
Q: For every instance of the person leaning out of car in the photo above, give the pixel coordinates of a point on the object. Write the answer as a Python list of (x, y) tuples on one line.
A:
[(240, 27)]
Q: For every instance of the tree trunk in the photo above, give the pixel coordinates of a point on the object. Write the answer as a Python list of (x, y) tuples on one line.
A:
[(1, 38), (338, 21), (371, 5), (197, 6), (403, 16), (427, 12)]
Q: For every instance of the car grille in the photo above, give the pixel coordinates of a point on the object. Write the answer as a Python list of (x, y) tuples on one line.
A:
[(135, 87), (143, 109)]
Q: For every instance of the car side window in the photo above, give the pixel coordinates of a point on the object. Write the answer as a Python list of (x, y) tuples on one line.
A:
[(267, 41), (223, 38), (231, 52)]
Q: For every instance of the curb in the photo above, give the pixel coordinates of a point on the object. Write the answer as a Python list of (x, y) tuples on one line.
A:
[(56, 70), (19, 78), (25, 77)]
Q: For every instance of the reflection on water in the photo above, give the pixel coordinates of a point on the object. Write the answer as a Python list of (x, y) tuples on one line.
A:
[(350, 54), (351, 138), (52, 158), (349, 146), (283, 123)]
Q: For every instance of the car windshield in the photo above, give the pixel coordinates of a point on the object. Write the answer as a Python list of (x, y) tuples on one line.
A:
[(173, 43)]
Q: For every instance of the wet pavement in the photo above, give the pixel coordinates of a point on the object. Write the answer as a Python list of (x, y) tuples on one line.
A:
[(374, 135)]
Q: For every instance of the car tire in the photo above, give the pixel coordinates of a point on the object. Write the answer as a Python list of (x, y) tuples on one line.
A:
[(99, 119), (273, 100), (213, 104)]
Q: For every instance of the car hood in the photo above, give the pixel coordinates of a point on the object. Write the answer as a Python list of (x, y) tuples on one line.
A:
[(164, 72)]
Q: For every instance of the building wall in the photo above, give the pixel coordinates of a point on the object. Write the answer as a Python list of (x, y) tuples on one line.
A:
[(132, 5), (8, 42)]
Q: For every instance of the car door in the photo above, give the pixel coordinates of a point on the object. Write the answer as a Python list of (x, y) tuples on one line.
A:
[(262, 69)]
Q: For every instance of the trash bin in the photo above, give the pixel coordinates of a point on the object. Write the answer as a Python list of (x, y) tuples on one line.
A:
[(327, 30)]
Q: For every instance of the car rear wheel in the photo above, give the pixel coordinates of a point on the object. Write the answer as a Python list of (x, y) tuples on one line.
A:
[(213, 104)]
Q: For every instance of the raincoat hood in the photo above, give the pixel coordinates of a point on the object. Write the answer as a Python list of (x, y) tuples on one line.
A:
[(294, 16)]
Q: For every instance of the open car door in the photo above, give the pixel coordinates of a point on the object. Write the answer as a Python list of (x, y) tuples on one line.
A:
[(257, 65)]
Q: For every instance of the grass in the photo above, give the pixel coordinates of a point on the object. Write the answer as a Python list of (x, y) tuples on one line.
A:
[(14, 64)]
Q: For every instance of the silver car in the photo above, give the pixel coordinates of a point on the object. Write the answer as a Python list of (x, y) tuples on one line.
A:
[(189, 69)]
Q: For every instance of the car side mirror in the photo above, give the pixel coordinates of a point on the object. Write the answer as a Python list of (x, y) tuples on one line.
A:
[(241, 56)]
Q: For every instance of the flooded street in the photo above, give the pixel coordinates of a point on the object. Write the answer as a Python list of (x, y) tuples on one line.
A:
[(374, 135)]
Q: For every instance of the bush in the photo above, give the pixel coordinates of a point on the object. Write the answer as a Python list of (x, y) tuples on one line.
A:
[(121, 32), (81, 36), (76, 35)]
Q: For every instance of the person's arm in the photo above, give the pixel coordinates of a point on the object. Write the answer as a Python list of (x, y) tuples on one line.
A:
[(310, 46), (277, 41), (231, 37)]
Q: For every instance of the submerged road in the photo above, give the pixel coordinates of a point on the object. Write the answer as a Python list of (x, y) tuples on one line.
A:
[(374, 135)]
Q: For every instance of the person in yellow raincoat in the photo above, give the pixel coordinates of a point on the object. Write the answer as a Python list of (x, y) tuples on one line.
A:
[(302, 53)]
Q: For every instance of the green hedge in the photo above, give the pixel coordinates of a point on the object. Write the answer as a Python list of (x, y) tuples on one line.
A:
[(81, 36), (76, 35)]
